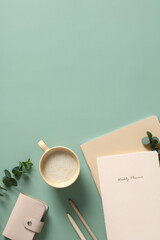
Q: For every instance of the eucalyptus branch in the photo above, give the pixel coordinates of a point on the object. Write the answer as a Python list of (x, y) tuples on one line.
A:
[(11, 179), (152, 142)]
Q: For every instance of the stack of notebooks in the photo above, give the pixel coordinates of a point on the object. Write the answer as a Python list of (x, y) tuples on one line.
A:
[(127, 176)]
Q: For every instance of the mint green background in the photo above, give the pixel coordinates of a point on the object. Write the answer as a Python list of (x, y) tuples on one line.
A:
[(71, 71)]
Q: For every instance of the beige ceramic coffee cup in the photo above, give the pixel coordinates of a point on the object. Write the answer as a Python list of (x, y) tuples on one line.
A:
[(51, 152)]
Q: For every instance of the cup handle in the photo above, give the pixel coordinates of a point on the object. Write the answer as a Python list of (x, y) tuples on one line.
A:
[(43, 146)]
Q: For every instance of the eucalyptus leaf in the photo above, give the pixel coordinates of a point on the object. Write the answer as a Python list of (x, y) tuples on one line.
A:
[(30, 161), (7, 173), (155, 138), (13, 181), (149, 134), (20, 165), (15, 168), (7, 181), (154, 144), (145, 141), (27, 165), (17, 173), (1, 195)]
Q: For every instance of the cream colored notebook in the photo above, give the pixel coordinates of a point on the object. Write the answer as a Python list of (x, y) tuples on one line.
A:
[(130, 188), (124, 140)]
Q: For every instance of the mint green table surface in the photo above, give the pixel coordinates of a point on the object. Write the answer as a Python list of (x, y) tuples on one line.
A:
[(71, 71)]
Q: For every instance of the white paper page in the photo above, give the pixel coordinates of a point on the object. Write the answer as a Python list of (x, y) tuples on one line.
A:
[(130, 187)]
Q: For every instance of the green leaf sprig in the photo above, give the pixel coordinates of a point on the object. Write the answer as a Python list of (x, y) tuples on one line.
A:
[(11, 179), (152, 142)]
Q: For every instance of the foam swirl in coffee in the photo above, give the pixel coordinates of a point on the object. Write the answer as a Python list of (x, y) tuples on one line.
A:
[(60, 166)]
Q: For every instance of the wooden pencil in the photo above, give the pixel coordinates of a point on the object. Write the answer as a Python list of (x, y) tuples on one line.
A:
[(82, 219), (75, 226)]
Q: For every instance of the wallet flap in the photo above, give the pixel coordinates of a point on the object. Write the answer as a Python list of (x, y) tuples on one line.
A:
[(33, 224)]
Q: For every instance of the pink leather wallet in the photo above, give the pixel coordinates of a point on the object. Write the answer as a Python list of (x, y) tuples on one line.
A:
[(26, 218)]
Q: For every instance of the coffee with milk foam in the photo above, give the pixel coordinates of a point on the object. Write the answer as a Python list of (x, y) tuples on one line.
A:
[(60, 166)]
